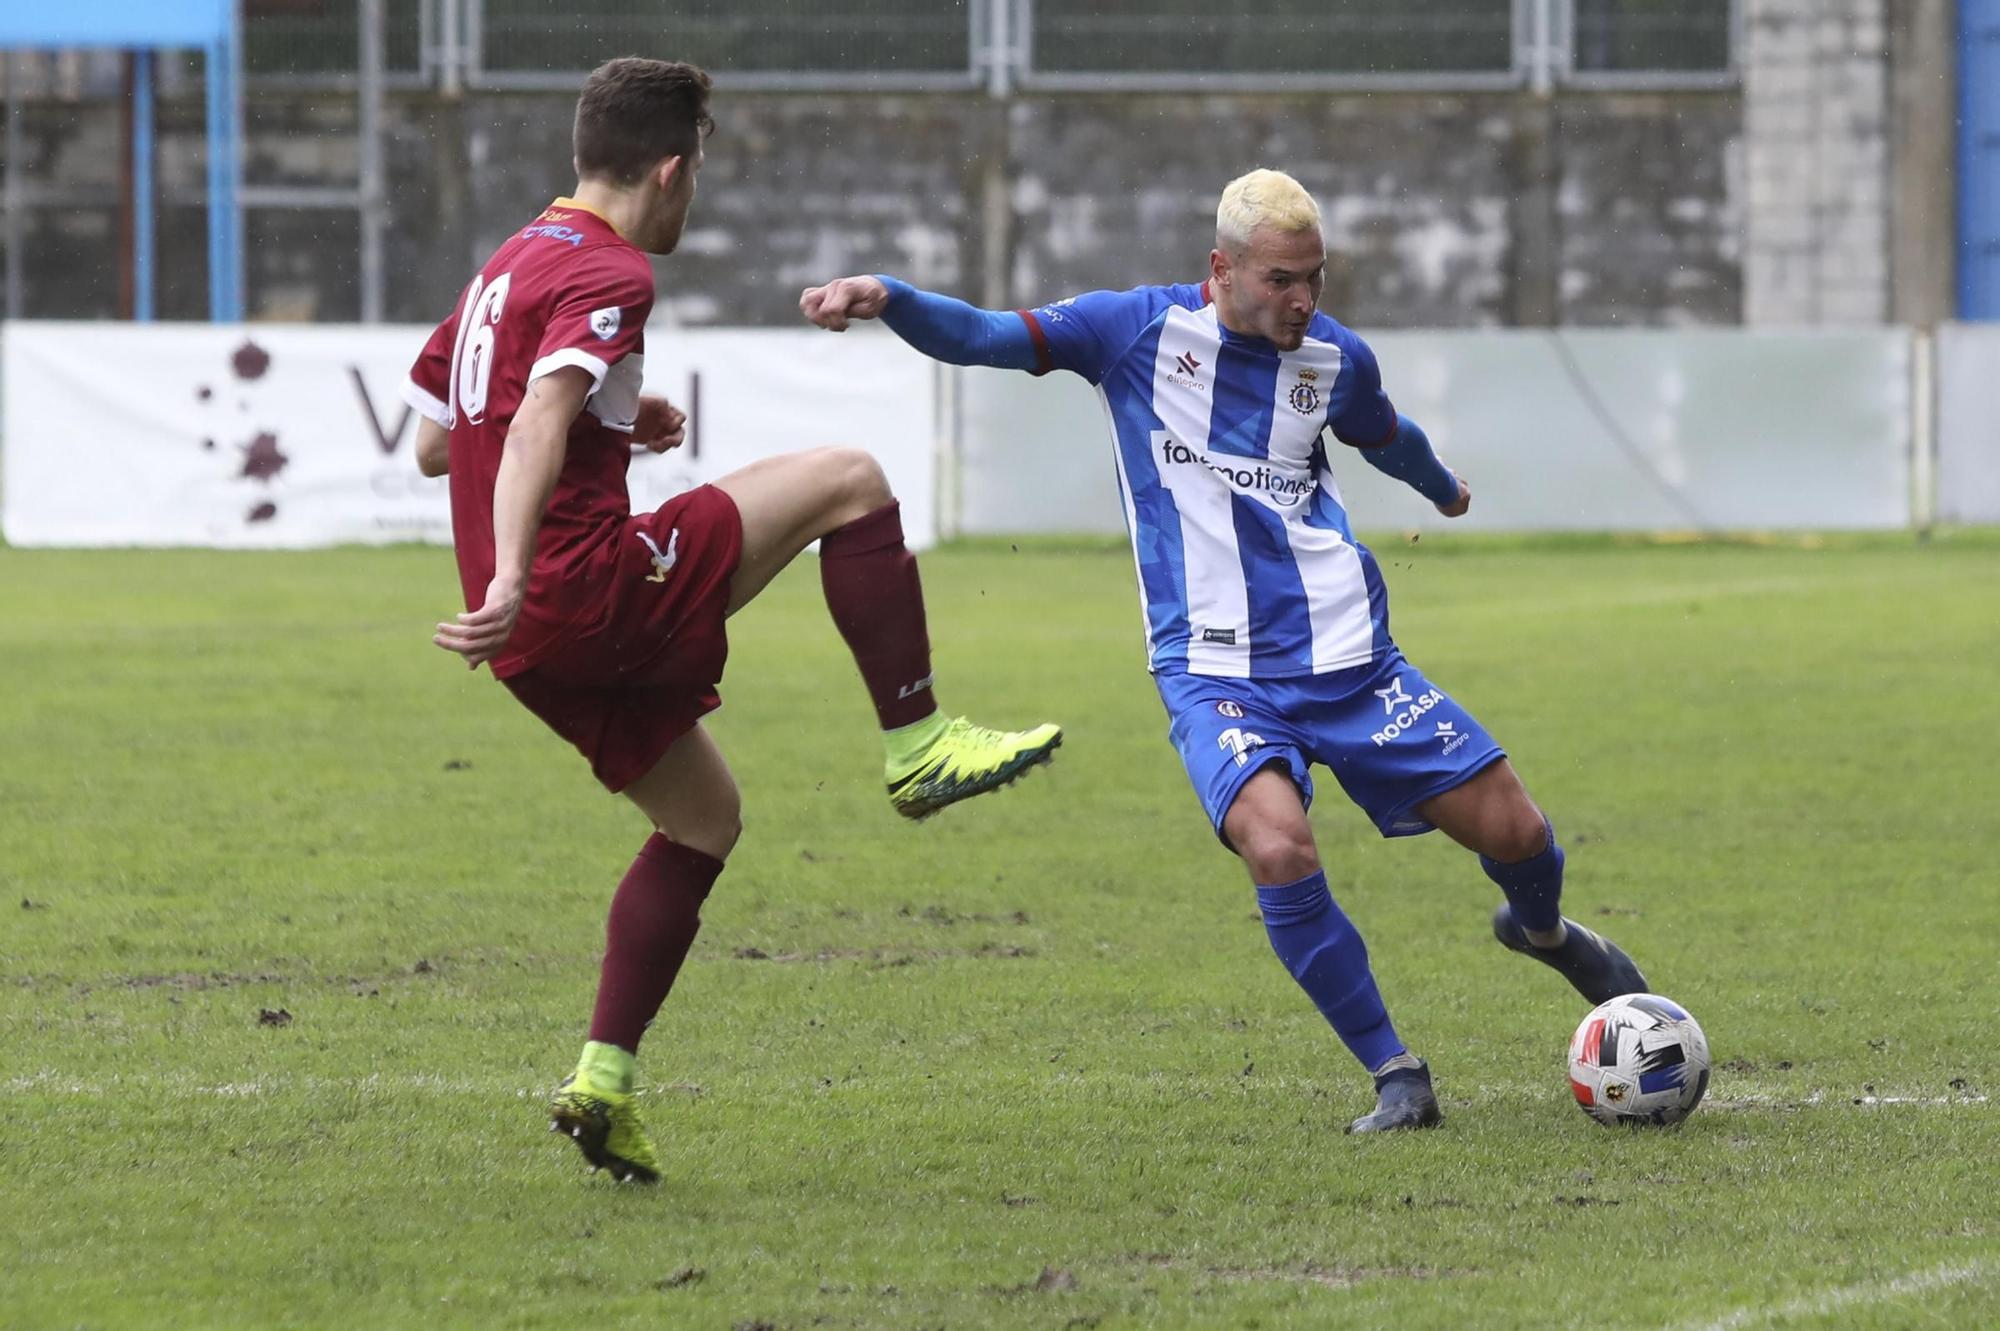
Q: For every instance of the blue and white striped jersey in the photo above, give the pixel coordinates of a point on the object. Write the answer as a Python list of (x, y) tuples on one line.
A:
[(1247, 565)]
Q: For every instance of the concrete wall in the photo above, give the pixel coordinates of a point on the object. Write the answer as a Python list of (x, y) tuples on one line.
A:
[(1776, 203), (1816, 135)]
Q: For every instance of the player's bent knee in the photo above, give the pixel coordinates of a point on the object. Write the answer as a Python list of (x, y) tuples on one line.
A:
[(710, 836), (1520, 837), (1277, 852), (858, 479)]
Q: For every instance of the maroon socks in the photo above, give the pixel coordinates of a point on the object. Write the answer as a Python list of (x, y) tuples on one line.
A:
[(871, 585), (654, 917)]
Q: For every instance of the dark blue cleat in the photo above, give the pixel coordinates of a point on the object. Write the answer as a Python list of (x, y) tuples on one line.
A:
[(1403, 1099), (1597, 967)]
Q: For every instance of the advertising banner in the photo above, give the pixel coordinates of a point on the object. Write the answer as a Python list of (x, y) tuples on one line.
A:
[(272, 436)]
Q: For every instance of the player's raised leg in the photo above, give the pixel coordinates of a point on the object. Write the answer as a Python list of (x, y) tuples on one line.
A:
[(840, 498), (1266, 823), (692, 801), (1492, 815)]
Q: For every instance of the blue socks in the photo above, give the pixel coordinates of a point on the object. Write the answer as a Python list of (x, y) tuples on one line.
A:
[(1533, 886), (1326, 956)]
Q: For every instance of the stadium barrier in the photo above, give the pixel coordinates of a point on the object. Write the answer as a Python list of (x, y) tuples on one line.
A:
[(296, 436), (1719, 430), (274, 436), (1968, 424)]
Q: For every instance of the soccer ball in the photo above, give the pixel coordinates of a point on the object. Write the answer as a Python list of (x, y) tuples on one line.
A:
[(1638, 1059)]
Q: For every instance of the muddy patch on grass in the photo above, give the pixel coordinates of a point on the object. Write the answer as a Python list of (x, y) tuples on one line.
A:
[(885, 958), (1305, 1273), (947, 918), (1325, 1277), (190, 981), (1413, 1202), (1052, 1280)]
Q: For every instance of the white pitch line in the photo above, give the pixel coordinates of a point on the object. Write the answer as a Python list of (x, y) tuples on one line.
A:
[(1847, 1296), (1821, 1100)]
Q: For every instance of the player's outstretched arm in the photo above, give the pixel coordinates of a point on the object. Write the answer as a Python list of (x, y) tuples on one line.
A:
[(529, 464), (1408, 456), (941, 327)]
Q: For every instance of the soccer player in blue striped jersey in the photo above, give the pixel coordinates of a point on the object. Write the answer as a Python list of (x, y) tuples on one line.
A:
[(1267, 623)]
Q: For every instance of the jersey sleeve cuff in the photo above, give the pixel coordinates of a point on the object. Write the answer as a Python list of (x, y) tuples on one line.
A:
[(426, 404), (1044, 360), (568, 356)]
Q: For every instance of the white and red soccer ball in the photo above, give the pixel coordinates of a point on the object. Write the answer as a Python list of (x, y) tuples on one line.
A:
[(1638, 1059)]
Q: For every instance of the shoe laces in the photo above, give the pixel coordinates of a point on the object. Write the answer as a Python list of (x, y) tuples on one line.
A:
[(983, 736)]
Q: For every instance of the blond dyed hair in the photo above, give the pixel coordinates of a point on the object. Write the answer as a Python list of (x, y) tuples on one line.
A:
[(1263, 198)]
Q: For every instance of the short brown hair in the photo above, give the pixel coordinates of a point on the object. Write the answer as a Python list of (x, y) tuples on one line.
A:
[(635, 112)]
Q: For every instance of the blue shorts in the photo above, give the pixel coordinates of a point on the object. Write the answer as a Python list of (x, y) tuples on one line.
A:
[(1390, 738)]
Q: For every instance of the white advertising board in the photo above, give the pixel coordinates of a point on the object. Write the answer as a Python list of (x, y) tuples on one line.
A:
[(1968, 469), (271, 436), (1650, 430)]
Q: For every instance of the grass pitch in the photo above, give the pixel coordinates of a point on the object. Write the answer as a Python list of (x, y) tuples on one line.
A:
[(301, 923)]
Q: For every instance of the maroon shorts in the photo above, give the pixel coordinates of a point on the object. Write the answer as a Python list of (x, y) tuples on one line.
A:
[(645, 672)]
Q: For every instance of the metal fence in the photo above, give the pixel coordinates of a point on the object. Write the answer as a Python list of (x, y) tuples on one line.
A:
[(364, 48), (773, 43), (1271, 44), (1004, 45), (313, 42)]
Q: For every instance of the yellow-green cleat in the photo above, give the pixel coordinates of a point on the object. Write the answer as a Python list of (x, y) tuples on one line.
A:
[(968, 760), (605, 1126)]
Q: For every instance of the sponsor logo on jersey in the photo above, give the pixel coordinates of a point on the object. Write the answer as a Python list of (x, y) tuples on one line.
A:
[(569, 235), (663, 560), (1393, 696), (1231, 709), (1449, 733), (605, 322), (1183, 373), (1403, 720), (1227, 637), (1256, 476)]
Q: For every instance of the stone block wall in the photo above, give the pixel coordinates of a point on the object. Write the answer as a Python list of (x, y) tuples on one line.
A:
[(1765, 204), (1816, 139)]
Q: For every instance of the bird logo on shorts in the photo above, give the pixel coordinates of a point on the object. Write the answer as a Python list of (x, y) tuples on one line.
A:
[(663, 564)]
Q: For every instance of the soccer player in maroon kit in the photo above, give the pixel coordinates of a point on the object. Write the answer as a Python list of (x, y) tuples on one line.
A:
[(609, 625)]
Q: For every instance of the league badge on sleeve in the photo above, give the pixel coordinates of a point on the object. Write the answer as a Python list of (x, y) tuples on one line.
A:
[(605, 322)]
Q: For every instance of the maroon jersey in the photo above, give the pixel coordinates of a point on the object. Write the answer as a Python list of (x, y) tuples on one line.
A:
[(568, 290)]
